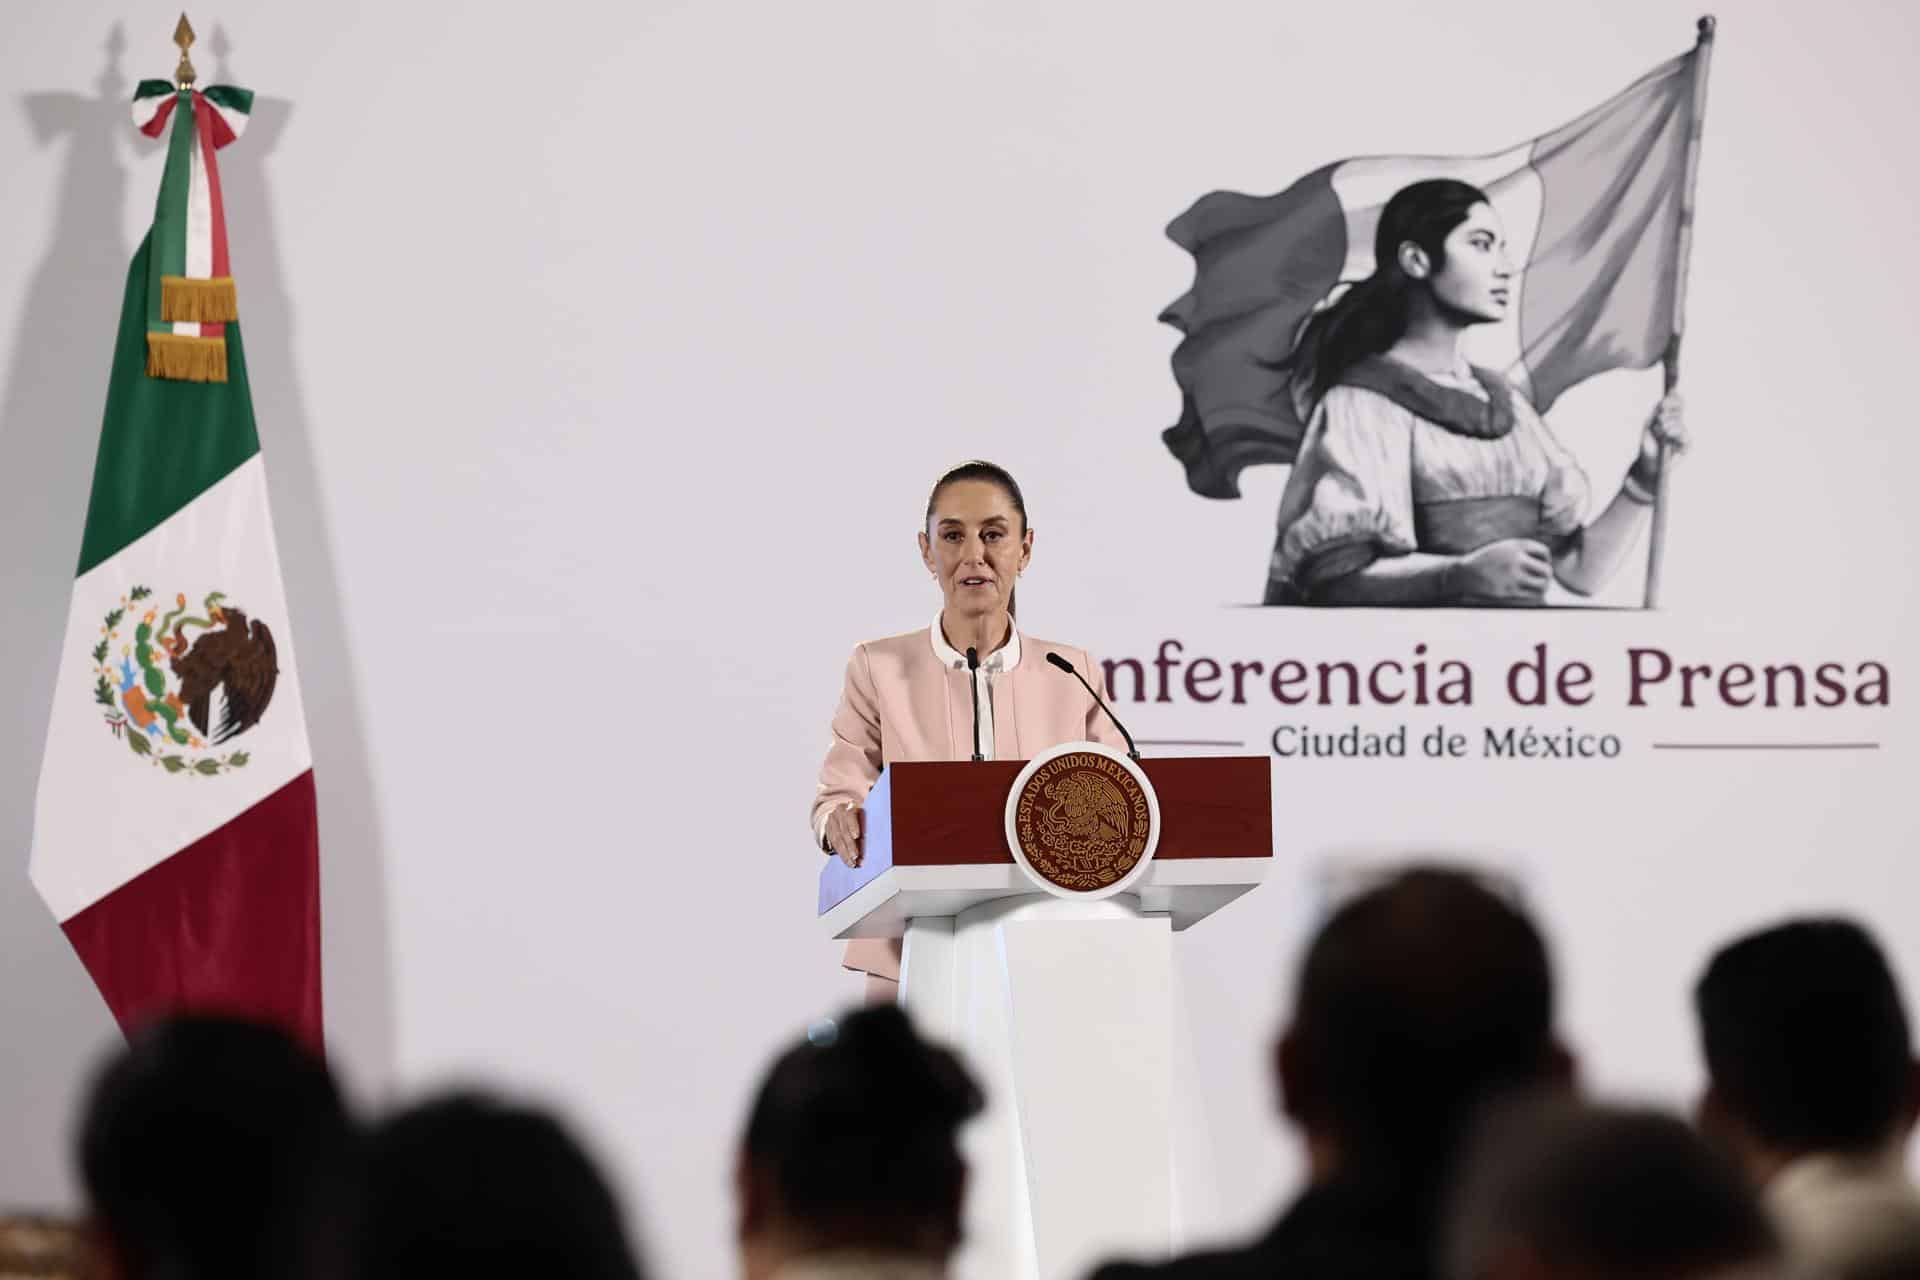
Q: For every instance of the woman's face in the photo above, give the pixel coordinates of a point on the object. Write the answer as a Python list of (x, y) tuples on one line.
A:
[(976, 544), (1476, 282)]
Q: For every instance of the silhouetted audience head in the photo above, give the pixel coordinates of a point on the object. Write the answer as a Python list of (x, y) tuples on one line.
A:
[(851, 1146), (213, 1148), (1806, 1043), (1558, 1191), (1812, 1085), (1417, 1002), (466, 1186)]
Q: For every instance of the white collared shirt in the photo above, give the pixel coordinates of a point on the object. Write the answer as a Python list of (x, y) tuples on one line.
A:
[(1000, 661)]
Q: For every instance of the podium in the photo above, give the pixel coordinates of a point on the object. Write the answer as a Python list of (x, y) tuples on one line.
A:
[(1061, 1005)]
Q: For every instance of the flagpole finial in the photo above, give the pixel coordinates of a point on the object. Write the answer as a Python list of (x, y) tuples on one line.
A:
[(183, 75), (1705, 27)]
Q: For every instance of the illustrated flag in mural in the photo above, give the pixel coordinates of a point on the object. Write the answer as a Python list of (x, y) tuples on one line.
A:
[(1593, 218), (175, 836)]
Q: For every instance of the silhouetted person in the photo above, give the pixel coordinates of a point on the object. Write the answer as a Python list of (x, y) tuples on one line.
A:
[(1811, 1082), (468, 1188), (1558, 1191), (850, 1167), (1417, 1003), (216, 1149)]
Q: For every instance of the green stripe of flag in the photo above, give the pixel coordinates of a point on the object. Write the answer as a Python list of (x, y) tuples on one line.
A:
[(163, 443), (169, 234)]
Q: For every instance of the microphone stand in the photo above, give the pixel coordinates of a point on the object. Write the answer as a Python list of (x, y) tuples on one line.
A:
[(1060, 662), (973, 687)]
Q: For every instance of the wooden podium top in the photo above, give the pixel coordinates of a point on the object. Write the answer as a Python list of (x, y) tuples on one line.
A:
[(936, 842)]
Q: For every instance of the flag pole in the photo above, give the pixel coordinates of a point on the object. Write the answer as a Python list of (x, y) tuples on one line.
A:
[(184, 75), (1670, 359)]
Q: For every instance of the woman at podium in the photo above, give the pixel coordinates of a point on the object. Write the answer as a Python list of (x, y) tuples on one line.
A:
[(907, 697)]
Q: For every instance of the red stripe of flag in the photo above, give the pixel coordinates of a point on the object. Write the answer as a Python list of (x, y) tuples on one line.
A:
[(231, 924), (206, 120)]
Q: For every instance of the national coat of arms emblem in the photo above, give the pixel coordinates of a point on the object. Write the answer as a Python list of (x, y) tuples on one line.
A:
[(1083, 820), (179, 685)]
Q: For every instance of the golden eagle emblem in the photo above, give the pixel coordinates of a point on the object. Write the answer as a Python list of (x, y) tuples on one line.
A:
[(1081, 821), (183, 684), (1085, 819)]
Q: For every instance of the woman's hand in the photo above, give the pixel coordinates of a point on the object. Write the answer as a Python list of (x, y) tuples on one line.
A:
[(1513, 570), (843, 833), (1667, 426)]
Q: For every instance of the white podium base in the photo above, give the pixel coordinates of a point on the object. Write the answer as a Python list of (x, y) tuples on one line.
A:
[(1064, 1012)]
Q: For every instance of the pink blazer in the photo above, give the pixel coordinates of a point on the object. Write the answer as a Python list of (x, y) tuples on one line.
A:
[(900, 703)]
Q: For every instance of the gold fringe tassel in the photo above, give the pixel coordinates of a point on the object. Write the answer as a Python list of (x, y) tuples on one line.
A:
[(185, 358), (198, 301)]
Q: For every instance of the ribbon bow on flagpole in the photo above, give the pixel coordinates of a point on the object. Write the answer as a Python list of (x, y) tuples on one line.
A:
[(190, 295)]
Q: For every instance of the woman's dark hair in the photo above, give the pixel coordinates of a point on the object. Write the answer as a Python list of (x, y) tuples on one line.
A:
[(855, 1130), (988, 472), (991, 474), (472, 1187), (1372, 315)]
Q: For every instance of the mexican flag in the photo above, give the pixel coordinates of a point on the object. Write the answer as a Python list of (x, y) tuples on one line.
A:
[(1593, 212), (175, 837)]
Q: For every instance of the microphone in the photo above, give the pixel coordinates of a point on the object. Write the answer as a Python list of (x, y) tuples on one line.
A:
[(973, 687), (1067, 667)]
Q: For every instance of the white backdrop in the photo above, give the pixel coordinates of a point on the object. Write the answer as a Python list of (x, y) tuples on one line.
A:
[(603, 354)]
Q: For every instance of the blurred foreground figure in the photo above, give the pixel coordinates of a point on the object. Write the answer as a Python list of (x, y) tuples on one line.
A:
[(1811, 1082), (469, 1188), (1418, 1002), (850, 1168), (216, 1149), (1557, 1191)]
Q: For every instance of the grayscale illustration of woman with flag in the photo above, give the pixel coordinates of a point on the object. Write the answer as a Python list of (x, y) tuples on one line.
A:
[(1329, 328)]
